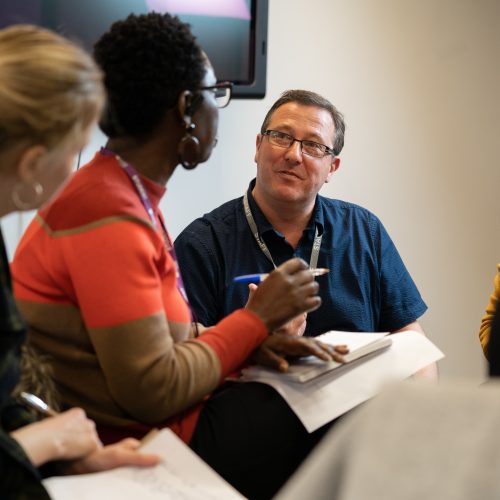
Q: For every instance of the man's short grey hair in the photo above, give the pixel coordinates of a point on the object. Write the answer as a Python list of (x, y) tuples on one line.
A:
[(308, 98)]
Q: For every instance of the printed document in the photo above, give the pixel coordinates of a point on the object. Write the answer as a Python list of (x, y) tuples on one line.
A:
[(181, 475)]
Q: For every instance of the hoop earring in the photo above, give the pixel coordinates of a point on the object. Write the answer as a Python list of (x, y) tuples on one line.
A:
[(189, 148), (32, 201)]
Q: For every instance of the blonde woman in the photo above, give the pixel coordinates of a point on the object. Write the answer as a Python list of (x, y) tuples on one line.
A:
[(51, 95)]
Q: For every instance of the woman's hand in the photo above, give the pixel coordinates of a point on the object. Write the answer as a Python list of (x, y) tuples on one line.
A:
[(295, 327), (287, 292), (273, 351), (66, 436), (125, 452)]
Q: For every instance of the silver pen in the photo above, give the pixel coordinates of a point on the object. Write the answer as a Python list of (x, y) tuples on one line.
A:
[(36, 403)]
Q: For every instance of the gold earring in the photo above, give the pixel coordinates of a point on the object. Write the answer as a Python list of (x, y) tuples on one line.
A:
[(23, 199)]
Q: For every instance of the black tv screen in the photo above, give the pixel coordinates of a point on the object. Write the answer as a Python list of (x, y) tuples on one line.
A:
[(232, 32)]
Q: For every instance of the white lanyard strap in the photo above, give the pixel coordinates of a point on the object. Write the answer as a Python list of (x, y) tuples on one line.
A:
[(313, 262)]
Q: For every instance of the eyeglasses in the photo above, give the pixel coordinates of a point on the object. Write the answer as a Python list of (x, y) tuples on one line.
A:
[(222, 93), (309, 148)]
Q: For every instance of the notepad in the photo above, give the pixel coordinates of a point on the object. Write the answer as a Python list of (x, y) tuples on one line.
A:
[(310, 367), (181, 474)]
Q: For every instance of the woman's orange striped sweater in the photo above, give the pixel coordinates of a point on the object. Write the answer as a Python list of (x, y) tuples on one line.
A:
[(97, 286)]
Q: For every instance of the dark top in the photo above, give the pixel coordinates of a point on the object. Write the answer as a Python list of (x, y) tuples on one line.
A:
[(367, 289), (19, 478), (494, 346)]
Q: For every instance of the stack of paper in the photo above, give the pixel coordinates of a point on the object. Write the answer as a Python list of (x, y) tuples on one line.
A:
[(324, 398)]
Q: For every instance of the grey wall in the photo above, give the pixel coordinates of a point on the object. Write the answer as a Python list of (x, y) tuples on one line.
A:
[(418, 82)]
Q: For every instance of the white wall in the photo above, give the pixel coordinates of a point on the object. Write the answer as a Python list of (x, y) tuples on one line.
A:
[(418, 82)]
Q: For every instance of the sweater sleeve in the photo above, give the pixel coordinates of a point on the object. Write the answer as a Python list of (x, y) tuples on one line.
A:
[(126, 290), (153, 378), (485, 328)]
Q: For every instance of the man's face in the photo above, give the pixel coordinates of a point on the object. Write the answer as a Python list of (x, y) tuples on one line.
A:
[(287, 174)]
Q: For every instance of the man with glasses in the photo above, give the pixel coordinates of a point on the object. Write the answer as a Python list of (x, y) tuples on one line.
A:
[(282, 215)]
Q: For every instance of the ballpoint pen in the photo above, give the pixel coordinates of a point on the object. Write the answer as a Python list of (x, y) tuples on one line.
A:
[(257, 278), (36, 403)]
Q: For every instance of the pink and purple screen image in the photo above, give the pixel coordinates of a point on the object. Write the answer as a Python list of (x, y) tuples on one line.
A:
[(223, 28), (238, 9)]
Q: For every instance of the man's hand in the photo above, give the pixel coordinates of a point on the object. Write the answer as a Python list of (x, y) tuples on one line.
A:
[(287, 292), (273, 351), (295, 327)]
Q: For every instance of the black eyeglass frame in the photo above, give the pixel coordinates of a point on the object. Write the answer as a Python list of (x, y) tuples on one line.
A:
[(327, 151), (221, 85)]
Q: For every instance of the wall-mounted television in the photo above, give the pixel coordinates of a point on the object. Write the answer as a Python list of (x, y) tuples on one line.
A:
[(232, 32)]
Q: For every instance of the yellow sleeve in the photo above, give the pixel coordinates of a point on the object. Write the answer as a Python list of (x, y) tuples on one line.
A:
[(484, 330)]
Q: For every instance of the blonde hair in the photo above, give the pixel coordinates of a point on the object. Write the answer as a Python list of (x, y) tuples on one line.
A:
[(50, 89)]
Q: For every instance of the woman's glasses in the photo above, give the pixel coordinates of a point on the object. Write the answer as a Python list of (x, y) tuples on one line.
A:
[(222, 93)]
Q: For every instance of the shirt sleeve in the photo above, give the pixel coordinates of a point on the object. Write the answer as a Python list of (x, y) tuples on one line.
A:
[(401, 303)]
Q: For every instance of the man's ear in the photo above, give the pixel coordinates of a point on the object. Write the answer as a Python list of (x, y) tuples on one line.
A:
[(334, 165), (258, 142), (29, 163)]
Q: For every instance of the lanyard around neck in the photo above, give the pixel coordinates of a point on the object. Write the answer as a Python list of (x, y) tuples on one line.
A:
[(146, 202), (313, 262), (137, 182)]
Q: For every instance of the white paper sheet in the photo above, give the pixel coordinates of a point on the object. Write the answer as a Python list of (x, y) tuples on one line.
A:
[(182, 475), (323, 399)]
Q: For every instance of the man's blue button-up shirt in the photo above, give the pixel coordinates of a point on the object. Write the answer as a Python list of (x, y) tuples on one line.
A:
[(367, 289)]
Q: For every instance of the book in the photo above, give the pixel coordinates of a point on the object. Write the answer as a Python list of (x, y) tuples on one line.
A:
[(310, 367)]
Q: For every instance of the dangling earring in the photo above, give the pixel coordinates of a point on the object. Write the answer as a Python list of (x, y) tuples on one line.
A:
[(26, 201), (189, 148)]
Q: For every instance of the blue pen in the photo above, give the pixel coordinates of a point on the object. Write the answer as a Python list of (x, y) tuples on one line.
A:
[(257, 278)]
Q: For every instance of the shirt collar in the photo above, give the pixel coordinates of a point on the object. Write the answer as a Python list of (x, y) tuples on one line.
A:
[(317, 219)]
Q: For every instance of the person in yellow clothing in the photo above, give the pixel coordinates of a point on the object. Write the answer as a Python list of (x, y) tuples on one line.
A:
[(485, 329)]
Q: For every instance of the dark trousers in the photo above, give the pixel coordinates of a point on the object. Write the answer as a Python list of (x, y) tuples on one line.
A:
[(251, 437)]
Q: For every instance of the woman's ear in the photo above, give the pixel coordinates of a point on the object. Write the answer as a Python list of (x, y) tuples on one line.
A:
[(185, 106), (29, 163)]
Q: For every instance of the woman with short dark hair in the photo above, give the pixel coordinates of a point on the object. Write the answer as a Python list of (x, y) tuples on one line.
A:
[(109, 305)]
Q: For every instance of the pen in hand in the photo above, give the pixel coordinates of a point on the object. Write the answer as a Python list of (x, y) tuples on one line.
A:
[(257, 278), (36, 403)]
